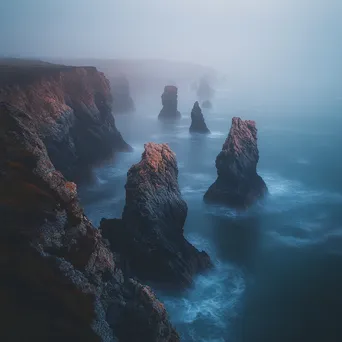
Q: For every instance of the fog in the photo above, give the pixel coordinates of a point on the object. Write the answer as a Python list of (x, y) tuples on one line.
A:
[(275, 42)]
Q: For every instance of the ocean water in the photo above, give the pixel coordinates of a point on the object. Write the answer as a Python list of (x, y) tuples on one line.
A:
[(278, 266)]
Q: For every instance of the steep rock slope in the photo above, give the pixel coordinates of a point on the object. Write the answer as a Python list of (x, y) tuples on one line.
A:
[(150, 234), (238, 184)]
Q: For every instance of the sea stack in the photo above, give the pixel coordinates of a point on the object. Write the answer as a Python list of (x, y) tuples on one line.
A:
[(197, 120), (150, 234), (122, 100), (207, 104), (205, 93), (170, 103), (238, 185)]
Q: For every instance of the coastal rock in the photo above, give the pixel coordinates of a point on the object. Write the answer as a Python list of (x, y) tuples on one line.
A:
[(170, 103), (150, 235), (122, 100), (207, 104), (238, 184), (59, 279), (197, 120), (70, 108)]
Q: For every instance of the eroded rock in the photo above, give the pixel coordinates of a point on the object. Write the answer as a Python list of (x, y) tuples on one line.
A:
[(150, 234), (238, 184), (197, 120), (170, 104)]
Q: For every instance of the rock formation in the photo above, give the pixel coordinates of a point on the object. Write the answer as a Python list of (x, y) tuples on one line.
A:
[(238, 184), (71, 108), (150, 234), (122, 100), (207, 104), (205, 92), (197, 120), (170, 103), (59, 279)]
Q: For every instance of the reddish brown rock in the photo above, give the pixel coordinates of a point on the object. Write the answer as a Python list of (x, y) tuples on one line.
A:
[(170, 103), (238, 184), (59, 280), (70, 108), (150, 234), (197, 120)]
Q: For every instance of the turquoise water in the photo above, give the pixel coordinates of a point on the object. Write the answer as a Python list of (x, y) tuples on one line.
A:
[(278, 274)]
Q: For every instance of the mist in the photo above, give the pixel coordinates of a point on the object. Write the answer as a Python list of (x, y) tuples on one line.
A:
[(280, 41)]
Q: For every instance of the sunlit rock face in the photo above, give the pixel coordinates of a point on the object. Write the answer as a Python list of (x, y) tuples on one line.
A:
[(150, 234), (170, 104), (122, 100), (197, 121), (238, 184), (71, 108)]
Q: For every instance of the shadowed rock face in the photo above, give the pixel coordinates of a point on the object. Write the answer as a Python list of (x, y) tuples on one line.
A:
[(238, 184), (150, 234), (59, 280), (170, 103), (122, 100), (71, 109), (197, 121)]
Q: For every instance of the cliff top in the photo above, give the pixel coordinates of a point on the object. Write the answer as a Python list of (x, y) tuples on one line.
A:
[(19, 71)]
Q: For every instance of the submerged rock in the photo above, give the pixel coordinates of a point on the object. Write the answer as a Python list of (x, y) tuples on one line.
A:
[(122, 100), (197, 120), (170, 103), (150, 235), (207, 104), (238, 184)]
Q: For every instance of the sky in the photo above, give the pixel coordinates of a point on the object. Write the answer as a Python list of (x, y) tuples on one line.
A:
[(255, 34)]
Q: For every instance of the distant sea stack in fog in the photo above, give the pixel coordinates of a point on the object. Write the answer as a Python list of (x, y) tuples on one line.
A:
[(170, 104), (150, 235), (197, 120), (122, 100), (238, 185), (205, 93)]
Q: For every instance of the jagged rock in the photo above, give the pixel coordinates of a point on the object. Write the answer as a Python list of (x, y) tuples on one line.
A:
[(71, 108), (238, 184), (150, 234), (59, 280), (207, 104), (197, 120), (122, 100), (170, 103)]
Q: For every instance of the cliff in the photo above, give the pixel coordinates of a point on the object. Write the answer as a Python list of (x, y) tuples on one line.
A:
[(170, 104), (59, 280), (70, 108), (197, 121), (150, 234), (238, 184)]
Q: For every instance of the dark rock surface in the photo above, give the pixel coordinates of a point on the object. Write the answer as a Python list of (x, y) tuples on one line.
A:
[(207, 104), (238, 184), (122, 100), (59, 279), (197, 121), (170, 103), (71, 109), (150, 234)]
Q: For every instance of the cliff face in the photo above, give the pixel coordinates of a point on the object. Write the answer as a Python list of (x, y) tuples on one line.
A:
[(150, 234), (197, 121), (170, 104), (238, 184), (122, 100), (59, 279), (71, 110)]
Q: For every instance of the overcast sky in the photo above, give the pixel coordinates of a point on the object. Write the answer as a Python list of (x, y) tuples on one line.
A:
[(254, 33)]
